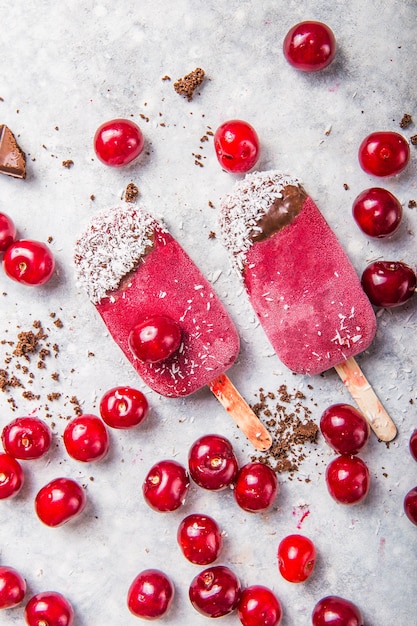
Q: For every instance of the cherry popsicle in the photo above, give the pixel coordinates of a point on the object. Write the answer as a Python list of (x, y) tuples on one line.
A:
[(132, 270), (301, 284)]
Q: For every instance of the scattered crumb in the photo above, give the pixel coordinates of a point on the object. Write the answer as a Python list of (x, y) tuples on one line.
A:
[(413, 140), (131, 193), (68, 163), (345, 186), (92, 197), (412, 204), (406, 120), (187, 85), (212, 234), (166, 77), (288, 419)]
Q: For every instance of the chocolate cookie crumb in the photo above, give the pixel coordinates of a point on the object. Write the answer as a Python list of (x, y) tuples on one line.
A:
[(166, 77), (413, 140), (187, 85), (289, 420), (131, 193), (406, 120), (68, 163), (412, 204)]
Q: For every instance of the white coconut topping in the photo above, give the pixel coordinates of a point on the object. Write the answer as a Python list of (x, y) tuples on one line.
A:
[(241, 210), (112, 246)]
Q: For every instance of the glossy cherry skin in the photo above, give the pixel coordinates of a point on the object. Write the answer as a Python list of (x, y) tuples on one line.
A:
[(336, 611), (123, 407), (413, 444), (258, 606), (166, 486), (155, 339), (118, 142), (384, 153), (150, 595), (389, 283), (49, 608), (377, 212), (296, 558), (29, 262), (347, 479), (61, 500), (309, 46), (26, 438), (7, 232), (11, 476), (237, 146), (344, 428), (86, 438), (200, 539), (212, 462), (215, 591), (12, 587), (410, 505), (256, 487)]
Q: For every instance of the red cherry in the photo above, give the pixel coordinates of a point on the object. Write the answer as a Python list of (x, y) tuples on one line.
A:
[(59, 501), (237, 146), (86, 438), (155, 339), (256, 487), (212, 462), (11, 476), (410, 505), (413, 444), (344, 428), (49, 608), (336, 611), (26, 438), (200, 539), (347, 479), (215, 591), (150, 595), (165, 486), (7, 232), (28, 262), (377, 212), (118, 142), (384, 153), (389, 283), (12, 587), (123, 407), (296, 558), (258, 606), (309, 46)]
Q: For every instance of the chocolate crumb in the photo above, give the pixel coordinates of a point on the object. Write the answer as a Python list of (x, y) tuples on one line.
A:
[(413, 140), (187, 85), (412, 204), (345, 186), (166, 77), (406, 120), (212, 234), (289, 421), (131, 193)]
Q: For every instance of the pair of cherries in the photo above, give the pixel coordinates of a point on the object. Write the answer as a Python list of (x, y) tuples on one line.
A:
[(26, 261)]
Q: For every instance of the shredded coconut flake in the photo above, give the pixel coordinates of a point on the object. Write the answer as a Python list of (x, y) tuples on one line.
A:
[(241, 210), (112, 245)]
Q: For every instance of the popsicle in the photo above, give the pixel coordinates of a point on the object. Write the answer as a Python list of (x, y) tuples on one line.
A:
[(133, 269), (301, 283)]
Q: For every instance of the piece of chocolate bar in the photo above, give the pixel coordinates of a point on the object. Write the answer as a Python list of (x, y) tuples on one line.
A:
[(12, 158)]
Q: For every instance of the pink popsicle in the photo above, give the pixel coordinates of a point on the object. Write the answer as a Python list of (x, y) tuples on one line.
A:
[(299, 279), (132, 268)]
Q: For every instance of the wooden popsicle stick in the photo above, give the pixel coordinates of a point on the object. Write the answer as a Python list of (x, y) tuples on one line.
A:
[(366, 399), (241, 412)]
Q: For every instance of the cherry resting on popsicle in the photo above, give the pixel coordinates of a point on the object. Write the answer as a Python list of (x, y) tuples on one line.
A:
[(133, 269), (299, 280)]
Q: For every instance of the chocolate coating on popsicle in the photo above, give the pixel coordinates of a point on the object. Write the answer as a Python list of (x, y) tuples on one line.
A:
[(281, 212)]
